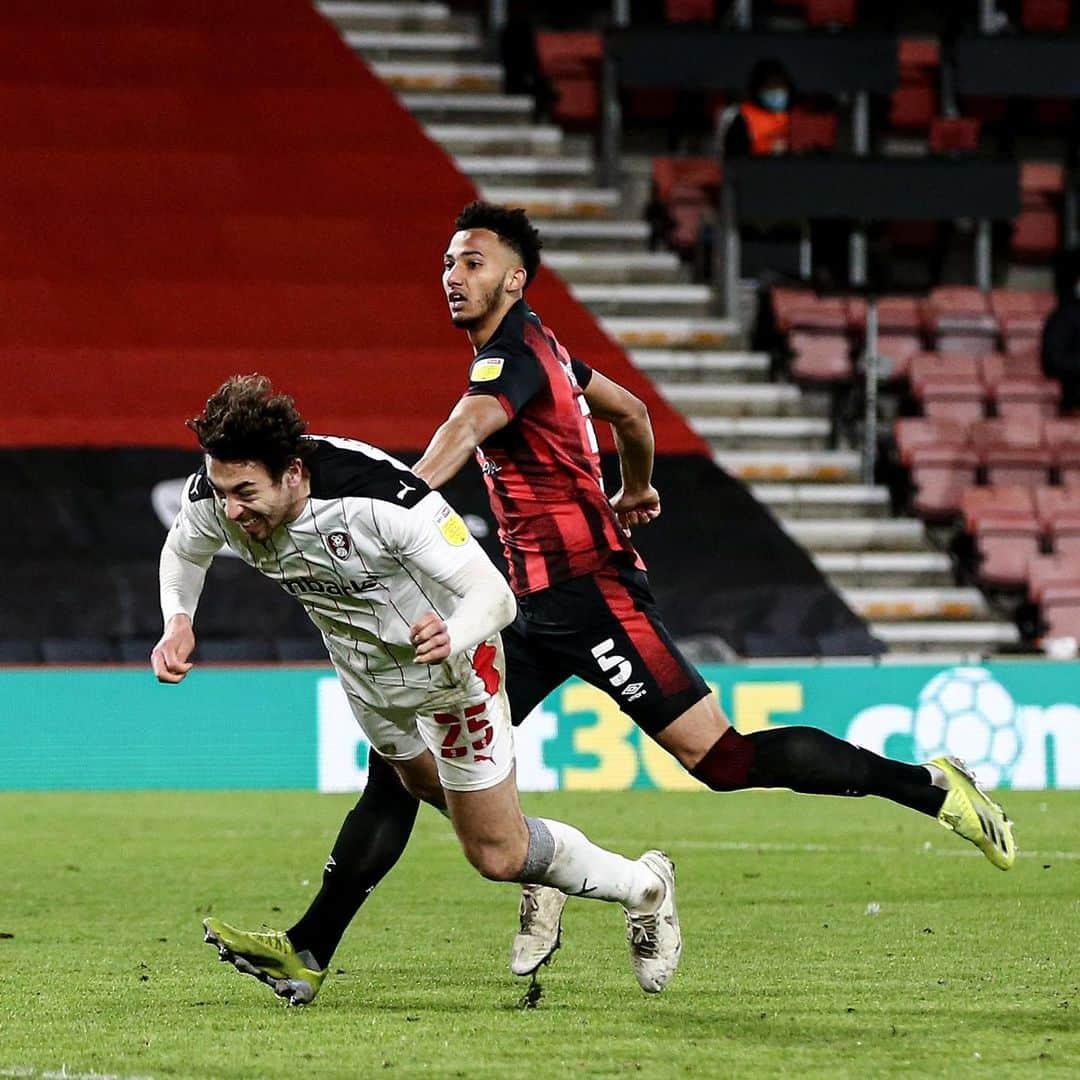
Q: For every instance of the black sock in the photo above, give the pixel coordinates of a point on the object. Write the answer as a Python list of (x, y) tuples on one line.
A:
[(814, 762), (372, 838)]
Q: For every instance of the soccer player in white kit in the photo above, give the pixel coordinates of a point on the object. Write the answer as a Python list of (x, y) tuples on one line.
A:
[(409, 608)]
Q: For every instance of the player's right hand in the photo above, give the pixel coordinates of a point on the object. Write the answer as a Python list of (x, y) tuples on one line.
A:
[(169, 657)]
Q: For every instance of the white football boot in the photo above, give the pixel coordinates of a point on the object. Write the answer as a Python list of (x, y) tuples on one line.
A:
[(655, 939), (541, 928)]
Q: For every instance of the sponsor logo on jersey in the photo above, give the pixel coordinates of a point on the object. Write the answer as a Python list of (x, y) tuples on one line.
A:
[(455, 531), (340, 544), (314, 587), (487, 369)]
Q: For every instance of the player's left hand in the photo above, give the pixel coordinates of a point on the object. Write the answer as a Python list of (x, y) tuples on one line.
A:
[(636, 508), (431, 639)]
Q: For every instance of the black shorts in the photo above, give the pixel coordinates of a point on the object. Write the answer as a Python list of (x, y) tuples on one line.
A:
[(606, 629)]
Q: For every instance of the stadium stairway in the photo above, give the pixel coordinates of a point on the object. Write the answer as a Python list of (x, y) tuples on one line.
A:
[(770, 435)]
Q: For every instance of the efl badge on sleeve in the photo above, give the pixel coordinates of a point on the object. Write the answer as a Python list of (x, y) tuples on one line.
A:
[(455, 531), (487, 369), (339, 544)]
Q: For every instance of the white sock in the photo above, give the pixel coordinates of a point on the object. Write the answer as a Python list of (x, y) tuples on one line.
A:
[(580, 868)]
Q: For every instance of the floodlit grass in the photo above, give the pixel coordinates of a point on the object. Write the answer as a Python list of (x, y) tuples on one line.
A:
[(964, 971)]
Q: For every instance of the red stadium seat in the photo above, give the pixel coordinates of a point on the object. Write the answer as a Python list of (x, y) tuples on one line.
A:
[(1063, 533), (996, 367), (812, 131), (1052, 502), (954, 135), (1045, 16), (821, 359), (896, 352), (998, 501), (1061, 611), (686, 187), (914, 102), (676, 11), (1047, 571), (1005, 543), (959, 319), (914, 433), (830, 13), (1027, 397), (939, 475), (1012, 452), (571, 60), (1062, 436)]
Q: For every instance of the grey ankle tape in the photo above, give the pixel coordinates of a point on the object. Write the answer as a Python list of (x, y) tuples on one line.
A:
[(541, 850)]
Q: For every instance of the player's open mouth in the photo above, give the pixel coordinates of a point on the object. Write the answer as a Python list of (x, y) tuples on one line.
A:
[(456, 301)]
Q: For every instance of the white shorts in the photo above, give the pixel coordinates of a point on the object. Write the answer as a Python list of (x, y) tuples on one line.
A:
[(466, 728)]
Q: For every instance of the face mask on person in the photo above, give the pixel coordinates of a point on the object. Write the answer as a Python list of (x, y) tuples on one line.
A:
[(775, 99)]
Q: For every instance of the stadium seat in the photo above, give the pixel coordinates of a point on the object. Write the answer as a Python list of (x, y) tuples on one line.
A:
[(677, 11), (1045, 16), (570, 61), (1037, 228), (939, 475), (685, 188), (1005, 544), (916, 432), (1052, 502), (1031, 398), (899, 315), (1063, 533), (948, 386), (958, 318), (1012, 452), (1060, 609), (1046, 571), (821, 358), (997, 501), (995, 367), (1062, 437), (896, 352), (954, 135), (802, 310), (812, 131), (830, 13), (914, 102)]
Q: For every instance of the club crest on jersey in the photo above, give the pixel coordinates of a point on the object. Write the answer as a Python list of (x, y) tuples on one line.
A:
[(340, 544), (455, 531), (487, 369)]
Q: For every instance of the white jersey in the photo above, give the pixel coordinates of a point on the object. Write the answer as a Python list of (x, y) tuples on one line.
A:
[(366, 557)]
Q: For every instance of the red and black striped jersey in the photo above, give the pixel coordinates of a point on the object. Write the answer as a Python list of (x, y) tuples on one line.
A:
[(542, 469)]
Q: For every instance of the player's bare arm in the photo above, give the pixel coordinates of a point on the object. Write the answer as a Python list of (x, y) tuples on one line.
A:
[(472, 420), (637, 501)]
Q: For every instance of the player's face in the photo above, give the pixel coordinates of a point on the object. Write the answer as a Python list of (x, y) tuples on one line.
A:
[(477, 270), (249, 496)]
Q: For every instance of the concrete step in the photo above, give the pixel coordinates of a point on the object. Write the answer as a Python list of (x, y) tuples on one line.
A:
[(414, 45), (766, 433), (556, 201), (399, 15), (620, 267), (537, 139), (801, 466), (648, 299), (445, 75), (903, 569), (668, 366), (542, 171), (857, 534), (958, 636), (592, 235), (501, 109), (906, 604), (672, 333), (732, 399), (823, 500)]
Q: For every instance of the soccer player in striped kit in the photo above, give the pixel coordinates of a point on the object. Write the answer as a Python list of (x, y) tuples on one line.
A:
[(584, 603), (409, 607)]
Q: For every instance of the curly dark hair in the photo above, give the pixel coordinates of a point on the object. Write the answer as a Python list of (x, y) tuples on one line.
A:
[(511, 226), (245, 420)]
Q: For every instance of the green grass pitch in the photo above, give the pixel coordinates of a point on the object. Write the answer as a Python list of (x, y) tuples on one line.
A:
[(963, 970)]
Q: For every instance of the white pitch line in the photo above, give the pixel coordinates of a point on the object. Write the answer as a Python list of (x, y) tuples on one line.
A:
[(26, 1073), (832, 849)]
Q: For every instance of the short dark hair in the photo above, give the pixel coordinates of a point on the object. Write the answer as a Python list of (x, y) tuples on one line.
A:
[(511, 226), (245, 420)]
